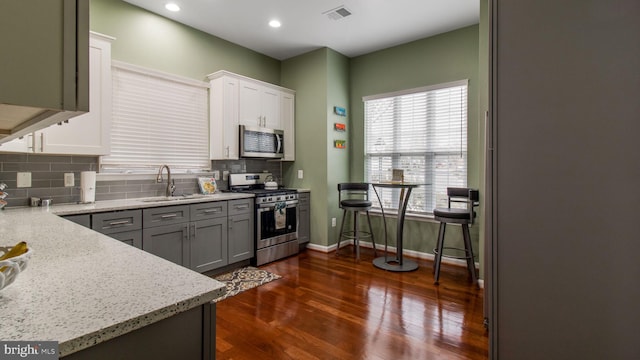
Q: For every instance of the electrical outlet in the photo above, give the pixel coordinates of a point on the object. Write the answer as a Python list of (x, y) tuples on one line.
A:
[(216, 174), (23, 179), (225, 175), (68, 179), (333, 222), (300, 174)]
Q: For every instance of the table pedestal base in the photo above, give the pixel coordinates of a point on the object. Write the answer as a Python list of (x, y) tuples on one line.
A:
[(392, 264)]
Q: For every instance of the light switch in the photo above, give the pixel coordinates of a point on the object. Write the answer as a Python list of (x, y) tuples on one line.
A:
[(300, 174), (23, 179), (216, 174), (68, 179)]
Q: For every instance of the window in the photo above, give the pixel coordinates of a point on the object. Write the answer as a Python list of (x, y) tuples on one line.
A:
[(424, 132), (157, 119)]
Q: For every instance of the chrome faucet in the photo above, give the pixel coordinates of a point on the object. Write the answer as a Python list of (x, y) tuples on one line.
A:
[(171, 186)]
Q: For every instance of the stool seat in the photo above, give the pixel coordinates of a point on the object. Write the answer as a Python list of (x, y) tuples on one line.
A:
[(355, 203), (463, 217), (354, 197), (452, 213)]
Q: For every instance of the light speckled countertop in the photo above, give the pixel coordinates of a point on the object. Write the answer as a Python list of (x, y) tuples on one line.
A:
[(82, 288)]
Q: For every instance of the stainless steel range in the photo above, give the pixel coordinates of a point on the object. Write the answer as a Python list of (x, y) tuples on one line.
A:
[(276, 217)]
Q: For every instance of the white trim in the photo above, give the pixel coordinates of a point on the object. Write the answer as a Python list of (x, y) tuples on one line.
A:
[(412, 253), (221, 73), (417, 90), (158, 74), (102, 36)]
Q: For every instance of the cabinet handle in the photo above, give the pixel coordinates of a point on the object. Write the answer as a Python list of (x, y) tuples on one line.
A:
[(212, 210), (239, 207), (193, 233), (230, 223), (41, 142), (122, 222), (227, 150), (32, 141), (168, 216)]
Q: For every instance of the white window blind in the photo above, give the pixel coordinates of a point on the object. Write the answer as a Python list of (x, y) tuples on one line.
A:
[(424, 132), (157, 119)]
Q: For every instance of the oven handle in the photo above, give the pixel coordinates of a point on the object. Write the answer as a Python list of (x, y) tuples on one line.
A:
[(271, 206)]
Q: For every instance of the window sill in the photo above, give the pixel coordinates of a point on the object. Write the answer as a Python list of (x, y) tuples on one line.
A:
[(392, 213)]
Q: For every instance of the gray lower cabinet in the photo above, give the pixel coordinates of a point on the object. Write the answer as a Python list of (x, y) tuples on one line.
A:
[(208, 230), (241, 241), (304, 218), (170, 242), (81, 219), (125, 225), (203, 236)]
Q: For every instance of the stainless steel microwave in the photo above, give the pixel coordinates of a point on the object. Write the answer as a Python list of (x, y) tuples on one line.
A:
[(259, 142)]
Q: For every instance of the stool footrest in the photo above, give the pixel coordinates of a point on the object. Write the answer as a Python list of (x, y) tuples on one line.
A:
[(466, 256), (352, 234)]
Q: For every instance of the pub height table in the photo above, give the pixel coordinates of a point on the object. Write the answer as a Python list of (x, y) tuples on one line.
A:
[(397, 263)]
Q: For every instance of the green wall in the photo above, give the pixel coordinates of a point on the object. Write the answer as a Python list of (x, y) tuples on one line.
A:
[(438, 59), (152, 41), (321, 81)]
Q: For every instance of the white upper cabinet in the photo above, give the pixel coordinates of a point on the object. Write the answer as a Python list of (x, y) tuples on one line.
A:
[(90, 133), (223, 118), (259, 105), (86, 134), (237, 100)]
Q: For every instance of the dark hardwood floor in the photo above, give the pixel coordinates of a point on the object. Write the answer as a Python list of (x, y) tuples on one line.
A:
[(328, 307)]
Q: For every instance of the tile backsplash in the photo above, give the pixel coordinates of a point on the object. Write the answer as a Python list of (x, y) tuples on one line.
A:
[(47, 178)]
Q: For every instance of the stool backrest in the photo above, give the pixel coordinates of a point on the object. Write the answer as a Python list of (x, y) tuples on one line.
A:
[(468, 196), (353, 191)]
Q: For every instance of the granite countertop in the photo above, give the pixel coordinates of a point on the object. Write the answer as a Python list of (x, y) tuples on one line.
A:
[(81, 287), (124, 204)]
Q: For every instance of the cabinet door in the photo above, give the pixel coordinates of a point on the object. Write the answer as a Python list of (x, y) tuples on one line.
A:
[(208, 244), (250, 112), (223, 109), (270, 108), (304, 218), (170, 242), (87, 134), (133, 238), (287, 116), (81, 219), (241, 242)]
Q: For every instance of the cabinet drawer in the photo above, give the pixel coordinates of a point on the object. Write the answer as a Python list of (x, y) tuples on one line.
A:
[(241, 206), (117, 221), (208, 210), (165, 215), (303, 199)]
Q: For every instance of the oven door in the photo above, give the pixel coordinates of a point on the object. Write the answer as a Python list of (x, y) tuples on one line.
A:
[(276, 223)]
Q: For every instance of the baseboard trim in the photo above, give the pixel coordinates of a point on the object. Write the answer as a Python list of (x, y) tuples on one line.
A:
[(411, 253)]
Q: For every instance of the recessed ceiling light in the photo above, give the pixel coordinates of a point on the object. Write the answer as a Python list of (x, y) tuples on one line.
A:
[(275, 23), (172, 7)]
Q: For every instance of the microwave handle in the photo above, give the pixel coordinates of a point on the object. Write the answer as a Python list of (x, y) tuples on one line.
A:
[(279, 149)]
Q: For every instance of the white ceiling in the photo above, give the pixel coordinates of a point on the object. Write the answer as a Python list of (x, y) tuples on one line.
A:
[(373, 25)]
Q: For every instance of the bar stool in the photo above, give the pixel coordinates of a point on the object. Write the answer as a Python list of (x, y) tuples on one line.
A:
[(463, 216), (355, 197)]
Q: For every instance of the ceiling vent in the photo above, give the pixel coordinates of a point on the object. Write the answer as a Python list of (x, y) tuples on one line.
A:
[(338, 13)]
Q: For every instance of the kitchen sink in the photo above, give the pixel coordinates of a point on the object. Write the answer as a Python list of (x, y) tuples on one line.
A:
[(173, 198)]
